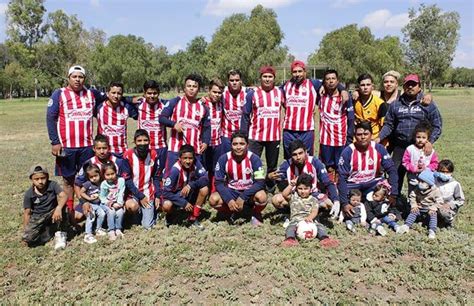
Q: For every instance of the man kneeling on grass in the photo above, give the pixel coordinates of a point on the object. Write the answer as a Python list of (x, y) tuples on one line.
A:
[(186, 186), (240, 179), (44, 210)]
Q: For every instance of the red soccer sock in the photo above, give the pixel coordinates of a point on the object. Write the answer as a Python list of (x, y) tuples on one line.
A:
[(70, 205), (257, 210), (196, 212), (223, 209)]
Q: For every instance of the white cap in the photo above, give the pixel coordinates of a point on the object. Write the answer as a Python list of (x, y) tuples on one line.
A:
[(78, 69)]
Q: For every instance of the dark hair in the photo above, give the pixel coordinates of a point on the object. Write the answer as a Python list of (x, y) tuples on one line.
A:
[(383, 188), (151, 84), (295, 145), (194, 77), (234, 72), (364, 76), (365, 125), (330, 71), (186, 148), (304, 179), (422, 127), (90, 167), (355, 192), (446, 163), (114, 84), (141, 132), (239, 134), (109, 165), (216, 82), (101, 138)]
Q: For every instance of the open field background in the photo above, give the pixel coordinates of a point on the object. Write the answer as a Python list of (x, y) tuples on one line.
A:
[(233, 264)]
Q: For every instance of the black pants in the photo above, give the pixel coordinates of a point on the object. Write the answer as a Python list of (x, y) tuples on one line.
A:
[(397, 152), (272, 150), (40, 229)]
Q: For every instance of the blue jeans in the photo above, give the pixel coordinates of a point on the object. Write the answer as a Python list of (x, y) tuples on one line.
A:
[(114, 217), (99, 217), (148, 215), (391, 223)]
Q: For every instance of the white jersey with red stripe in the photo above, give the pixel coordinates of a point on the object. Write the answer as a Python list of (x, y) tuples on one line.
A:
[(143, 171), (265, 117), (232, 111), (299, 105), (190, 116), (148, 115), (75, 124), (292, 172), (112, 123), (365, 166), (239, 175), (333, 121), (215, 116)]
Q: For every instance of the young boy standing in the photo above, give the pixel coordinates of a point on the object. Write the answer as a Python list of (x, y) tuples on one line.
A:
[(43, 210)]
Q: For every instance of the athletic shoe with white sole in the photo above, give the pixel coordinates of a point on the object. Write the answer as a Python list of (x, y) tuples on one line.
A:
[(431, 234), (90, 239), (59, 240), (112, 236), (403, 229), (100, 232), (119, 233)]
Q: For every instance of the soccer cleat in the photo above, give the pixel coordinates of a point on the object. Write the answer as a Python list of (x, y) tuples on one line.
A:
[(112, 236), (431, 234), (289, 242), (100, 232), (255, 222), (59, 240), (119, 233), (197, 225), (381, 230), (403, 229), (89, 238)]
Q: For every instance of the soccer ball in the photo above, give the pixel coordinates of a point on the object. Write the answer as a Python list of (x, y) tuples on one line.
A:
[(306, 230)]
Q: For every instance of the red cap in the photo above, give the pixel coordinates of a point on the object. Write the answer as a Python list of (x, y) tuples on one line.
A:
[(267, 69), (412, 77), (297, 64)]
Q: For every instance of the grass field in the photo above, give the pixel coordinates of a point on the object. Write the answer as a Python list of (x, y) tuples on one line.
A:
[(233, 264)]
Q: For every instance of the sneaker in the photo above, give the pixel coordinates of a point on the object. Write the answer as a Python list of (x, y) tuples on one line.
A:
[(255, 222), (431, 234), (351, 227), (112, 236), (289, 242), (381, 230), (396, 228), (403, 229), (119, 233), (59, 240), (100, 232), (286, 223), (197, 225), (329, 242), (89, 238)]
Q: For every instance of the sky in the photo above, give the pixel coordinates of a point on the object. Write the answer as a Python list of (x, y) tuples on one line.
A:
[(174, 23)]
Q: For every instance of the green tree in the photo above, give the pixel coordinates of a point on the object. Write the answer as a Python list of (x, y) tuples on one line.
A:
[(25, 21), (431, 37), (246, 43), (353, 51)]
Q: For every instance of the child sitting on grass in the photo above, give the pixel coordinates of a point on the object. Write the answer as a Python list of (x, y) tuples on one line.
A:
[(305, 207), (111, 197), (424, 201), (379, 211), (451, 190), (44, 212), (90, 191), (359, 215), (414, 159)]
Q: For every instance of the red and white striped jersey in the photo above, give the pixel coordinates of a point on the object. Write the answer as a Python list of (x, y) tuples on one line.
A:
[(215, 116), (300, 104), (148, 115), (112, 122), (190, 116), (265, 117), (365, 166), (333, 121), (239, 176), (143, 171), (293, 172), (232, 111), (75, 124)]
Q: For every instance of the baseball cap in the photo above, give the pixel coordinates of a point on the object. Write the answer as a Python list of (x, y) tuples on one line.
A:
[(412, 77), (76, 68), (37, 168), (298, 64), (267, 69)]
